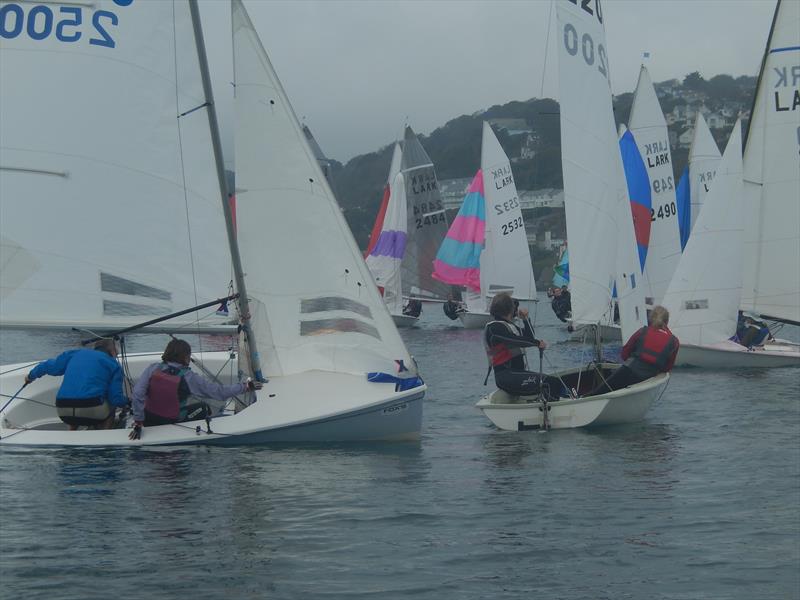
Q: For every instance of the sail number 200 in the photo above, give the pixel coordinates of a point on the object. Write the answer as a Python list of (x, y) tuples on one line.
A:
[(573, 42)]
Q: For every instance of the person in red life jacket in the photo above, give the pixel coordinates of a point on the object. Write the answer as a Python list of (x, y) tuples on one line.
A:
[(504, 342), (649, 351), (162, 394), (91, 389)]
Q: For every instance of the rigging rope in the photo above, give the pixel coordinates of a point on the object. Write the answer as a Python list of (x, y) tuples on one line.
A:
[(182, 165)]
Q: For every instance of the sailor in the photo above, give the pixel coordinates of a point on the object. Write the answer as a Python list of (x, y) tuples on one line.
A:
[(561, 303), (91, 388), (162, 393), (648, 352), (413, 308), (751, 332), (452, 308), (504, 342)]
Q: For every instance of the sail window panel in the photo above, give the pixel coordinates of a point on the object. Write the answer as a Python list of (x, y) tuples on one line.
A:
[(331, 303), (120, 285), (695, 304), (112, 308), (329, 326)]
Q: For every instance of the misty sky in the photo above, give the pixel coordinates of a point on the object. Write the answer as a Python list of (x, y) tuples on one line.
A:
[(356, 70)]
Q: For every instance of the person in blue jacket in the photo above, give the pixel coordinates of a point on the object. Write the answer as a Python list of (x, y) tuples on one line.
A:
[(92, 385)]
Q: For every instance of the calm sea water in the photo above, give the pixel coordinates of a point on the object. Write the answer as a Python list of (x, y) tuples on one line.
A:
[(700, 501)]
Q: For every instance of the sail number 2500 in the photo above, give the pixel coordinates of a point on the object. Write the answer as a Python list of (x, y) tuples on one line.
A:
[(66, 25)]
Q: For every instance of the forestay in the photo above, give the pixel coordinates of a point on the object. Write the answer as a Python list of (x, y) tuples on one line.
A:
[(110, 211), (506, 263), (314, 303), (427, 222), (599, 224), (772, 177), (650, 131), (703, 297), (385, 254)]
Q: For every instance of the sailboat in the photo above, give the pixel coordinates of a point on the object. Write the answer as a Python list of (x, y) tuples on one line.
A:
[(637, 184), (313, 322), (771, 278), (601, 239), (503, 257), (427, 222), (695, 181), (649, 128), (388, 241), (703, 297), (706, 292)]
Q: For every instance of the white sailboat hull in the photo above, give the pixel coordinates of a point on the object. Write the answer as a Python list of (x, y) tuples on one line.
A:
[(627, 405), (404, 321), (315, 406), (730, 355), (474, 320)]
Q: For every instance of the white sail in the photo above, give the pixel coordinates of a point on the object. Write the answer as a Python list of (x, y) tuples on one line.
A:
[(596, 200), (650, 131), (772, 177), (427, 222), (506, 261), (110, 211), (704, 157), (385, 260), (703, 297), (314, 303)]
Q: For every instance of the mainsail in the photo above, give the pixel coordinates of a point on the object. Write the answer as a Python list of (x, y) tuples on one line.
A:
[(316, 307), (427, 222), (506, 263), (388, 241), (696, 179), (110, 211), (599, 224), (703, 297), (650, 131), (772, 177)]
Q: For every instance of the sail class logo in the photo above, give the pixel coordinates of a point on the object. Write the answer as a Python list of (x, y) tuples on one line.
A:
[(71, 23), (787, 98)]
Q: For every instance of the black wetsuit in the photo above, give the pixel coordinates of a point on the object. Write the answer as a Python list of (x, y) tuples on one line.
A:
[(511, 376), (562, 306)]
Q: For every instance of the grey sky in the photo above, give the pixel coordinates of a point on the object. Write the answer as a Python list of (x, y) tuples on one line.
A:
[(357, 69)]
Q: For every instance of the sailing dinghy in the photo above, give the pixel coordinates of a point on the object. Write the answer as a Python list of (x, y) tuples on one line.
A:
[(649, 128), (725, 245), (313, 321), (601, 239), (494, 261), (387, 243), (771, 278)]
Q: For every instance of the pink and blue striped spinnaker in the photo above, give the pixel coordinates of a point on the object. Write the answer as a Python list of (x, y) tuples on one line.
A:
[(458, 259)]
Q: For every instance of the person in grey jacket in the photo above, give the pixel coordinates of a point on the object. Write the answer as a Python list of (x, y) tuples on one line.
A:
[(165, 393)]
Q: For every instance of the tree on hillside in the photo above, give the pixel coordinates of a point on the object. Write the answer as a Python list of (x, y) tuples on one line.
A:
[(694, 81)]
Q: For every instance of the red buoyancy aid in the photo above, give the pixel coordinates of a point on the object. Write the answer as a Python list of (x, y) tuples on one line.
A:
[(655, 347), (499, 353), (166, 392)]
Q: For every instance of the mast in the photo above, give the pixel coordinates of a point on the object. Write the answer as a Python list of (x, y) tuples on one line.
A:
[(761, 75), (244, 304)]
